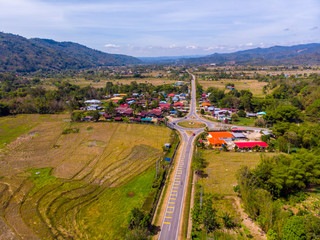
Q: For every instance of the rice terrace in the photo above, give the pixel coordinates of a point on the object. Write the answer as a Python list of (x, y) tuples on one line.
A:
[(80, 185)]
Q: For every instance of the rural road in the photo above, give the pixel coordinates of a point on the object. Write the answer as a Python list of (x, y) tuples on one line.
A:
[(173, 213)]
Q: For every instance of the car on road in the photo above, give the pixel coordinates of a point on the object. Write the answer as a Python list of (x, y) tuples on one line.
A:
[(193, 134)]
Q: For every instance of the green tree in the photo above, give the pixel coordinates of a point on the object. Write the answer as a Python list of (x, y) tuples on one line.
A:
[(295, 229), (95, 116), (241, 113)]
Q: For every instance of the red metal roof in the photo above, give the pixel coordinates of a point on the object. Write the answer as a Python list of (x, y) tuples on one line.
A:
[(250, 144)]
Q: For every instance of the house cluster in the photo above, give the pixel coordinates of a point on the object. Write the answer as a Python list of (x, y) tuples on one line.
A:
[(239, 138), (172, 105), (222, 114)]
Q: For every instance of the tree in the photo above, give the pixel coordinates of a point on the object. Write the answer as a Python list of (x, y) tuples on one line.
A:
[(241, 113), (294, 229), (260, 122), (202, 111), (96, 116), (284, 113), (234, 117), (209, 215), (76, 116), (227, 220), (4, 109), (283, 144)]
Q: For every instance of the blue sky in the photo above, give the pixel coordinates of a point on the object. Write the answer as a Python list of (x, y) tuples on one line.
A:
[(165, 27)]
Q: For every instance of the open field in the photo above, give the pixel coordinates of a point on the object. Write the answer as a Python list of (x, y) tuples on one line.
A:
[(222, 169), (253, 85), (79, 185)]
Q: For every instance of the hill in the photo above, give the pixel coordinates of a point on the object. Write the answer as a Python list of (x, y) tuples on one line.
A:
[(19, 54), (305, 54)]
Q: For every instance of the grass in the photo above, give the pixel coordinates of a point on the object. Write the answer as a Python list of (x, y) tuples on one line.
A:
[(14, 126), (253, 85), (70, 185), (192, 124), (107, 218), (222, 169), (245, 121)]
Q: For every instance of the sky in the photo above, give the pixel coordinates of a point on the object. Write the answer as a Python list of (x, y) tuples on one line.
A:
[(150, 28)]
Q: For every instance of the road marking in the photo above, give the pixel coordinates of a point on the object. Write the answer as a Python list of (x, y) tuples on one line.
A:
[(172, 203), (175, 195), (169, 212), (174, 191), (172, 199), (168, 217), (166, 223), (170, 207), (175, 187)]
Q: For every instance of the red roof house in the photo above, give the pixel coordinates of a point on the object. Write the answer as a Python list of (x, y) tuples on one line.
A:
[(171, 95), (178, 104), (251, 144)]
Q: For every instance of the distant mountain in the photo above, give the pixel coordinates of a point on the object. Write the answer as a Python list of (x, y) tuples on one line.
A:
[(18, 54), (166, 59), (305, 54)]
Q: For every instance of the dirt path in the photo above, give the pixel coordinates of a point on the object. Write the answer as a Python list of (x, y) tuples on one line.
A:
[(253, 227)]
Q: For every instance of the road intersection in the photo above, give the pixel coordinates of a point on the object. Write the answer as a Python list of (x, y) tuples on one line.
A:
[(173, 214)]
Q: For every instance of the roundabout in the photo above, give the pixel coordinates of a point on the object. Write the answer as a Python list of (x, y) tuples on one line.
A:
[(192, 124)]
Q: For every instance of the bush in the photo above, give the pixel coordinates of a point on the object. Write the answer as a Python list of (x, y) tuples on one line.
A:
[(294, 229), (70, 130)]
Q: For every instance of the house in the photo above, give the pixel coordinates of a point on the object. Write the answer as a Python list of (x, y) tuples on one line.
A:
[(87, 119), (106, 116), (171, 95), (155, 113), (239, 136), (205, 104), (92, 101), (146, 120), (218, 139), (238, 130), (178, 104), (250, 145), (175, 99), (118, 119), (251, 114), (164, 105), (93, 107)]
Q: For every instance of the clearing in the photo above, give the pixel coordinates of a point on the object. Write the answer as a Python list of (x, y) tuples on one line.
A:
[(254, 86), (222, 168), (78, 185)]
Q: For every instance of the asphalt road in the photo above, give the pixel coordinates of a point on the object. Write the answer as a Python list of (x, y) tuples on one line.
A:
[(173, 213), (172, 217)]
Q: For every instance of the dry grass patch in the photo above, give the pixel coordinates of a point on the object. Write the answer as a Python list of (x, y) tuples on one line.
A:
[(50, 182), (222, 169), (253, 85)]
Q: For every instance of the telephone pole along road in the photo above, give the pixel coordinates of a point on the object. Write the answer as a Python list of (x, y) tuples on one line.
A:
[(173, 213)]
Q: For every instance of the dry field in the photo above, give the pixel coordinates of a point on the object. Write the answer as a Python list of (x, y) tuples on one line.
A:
[(75, 186), (253, 85), (223, 167)]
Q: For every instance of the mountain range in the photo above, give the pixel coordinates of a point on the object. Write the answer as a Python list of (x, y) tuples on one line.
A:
[(19, 54), (303, 54)]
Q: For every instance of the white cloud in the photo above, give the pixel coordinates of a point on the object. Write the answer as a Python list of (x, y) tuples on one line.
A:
[(191, 47), (110, 45)]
